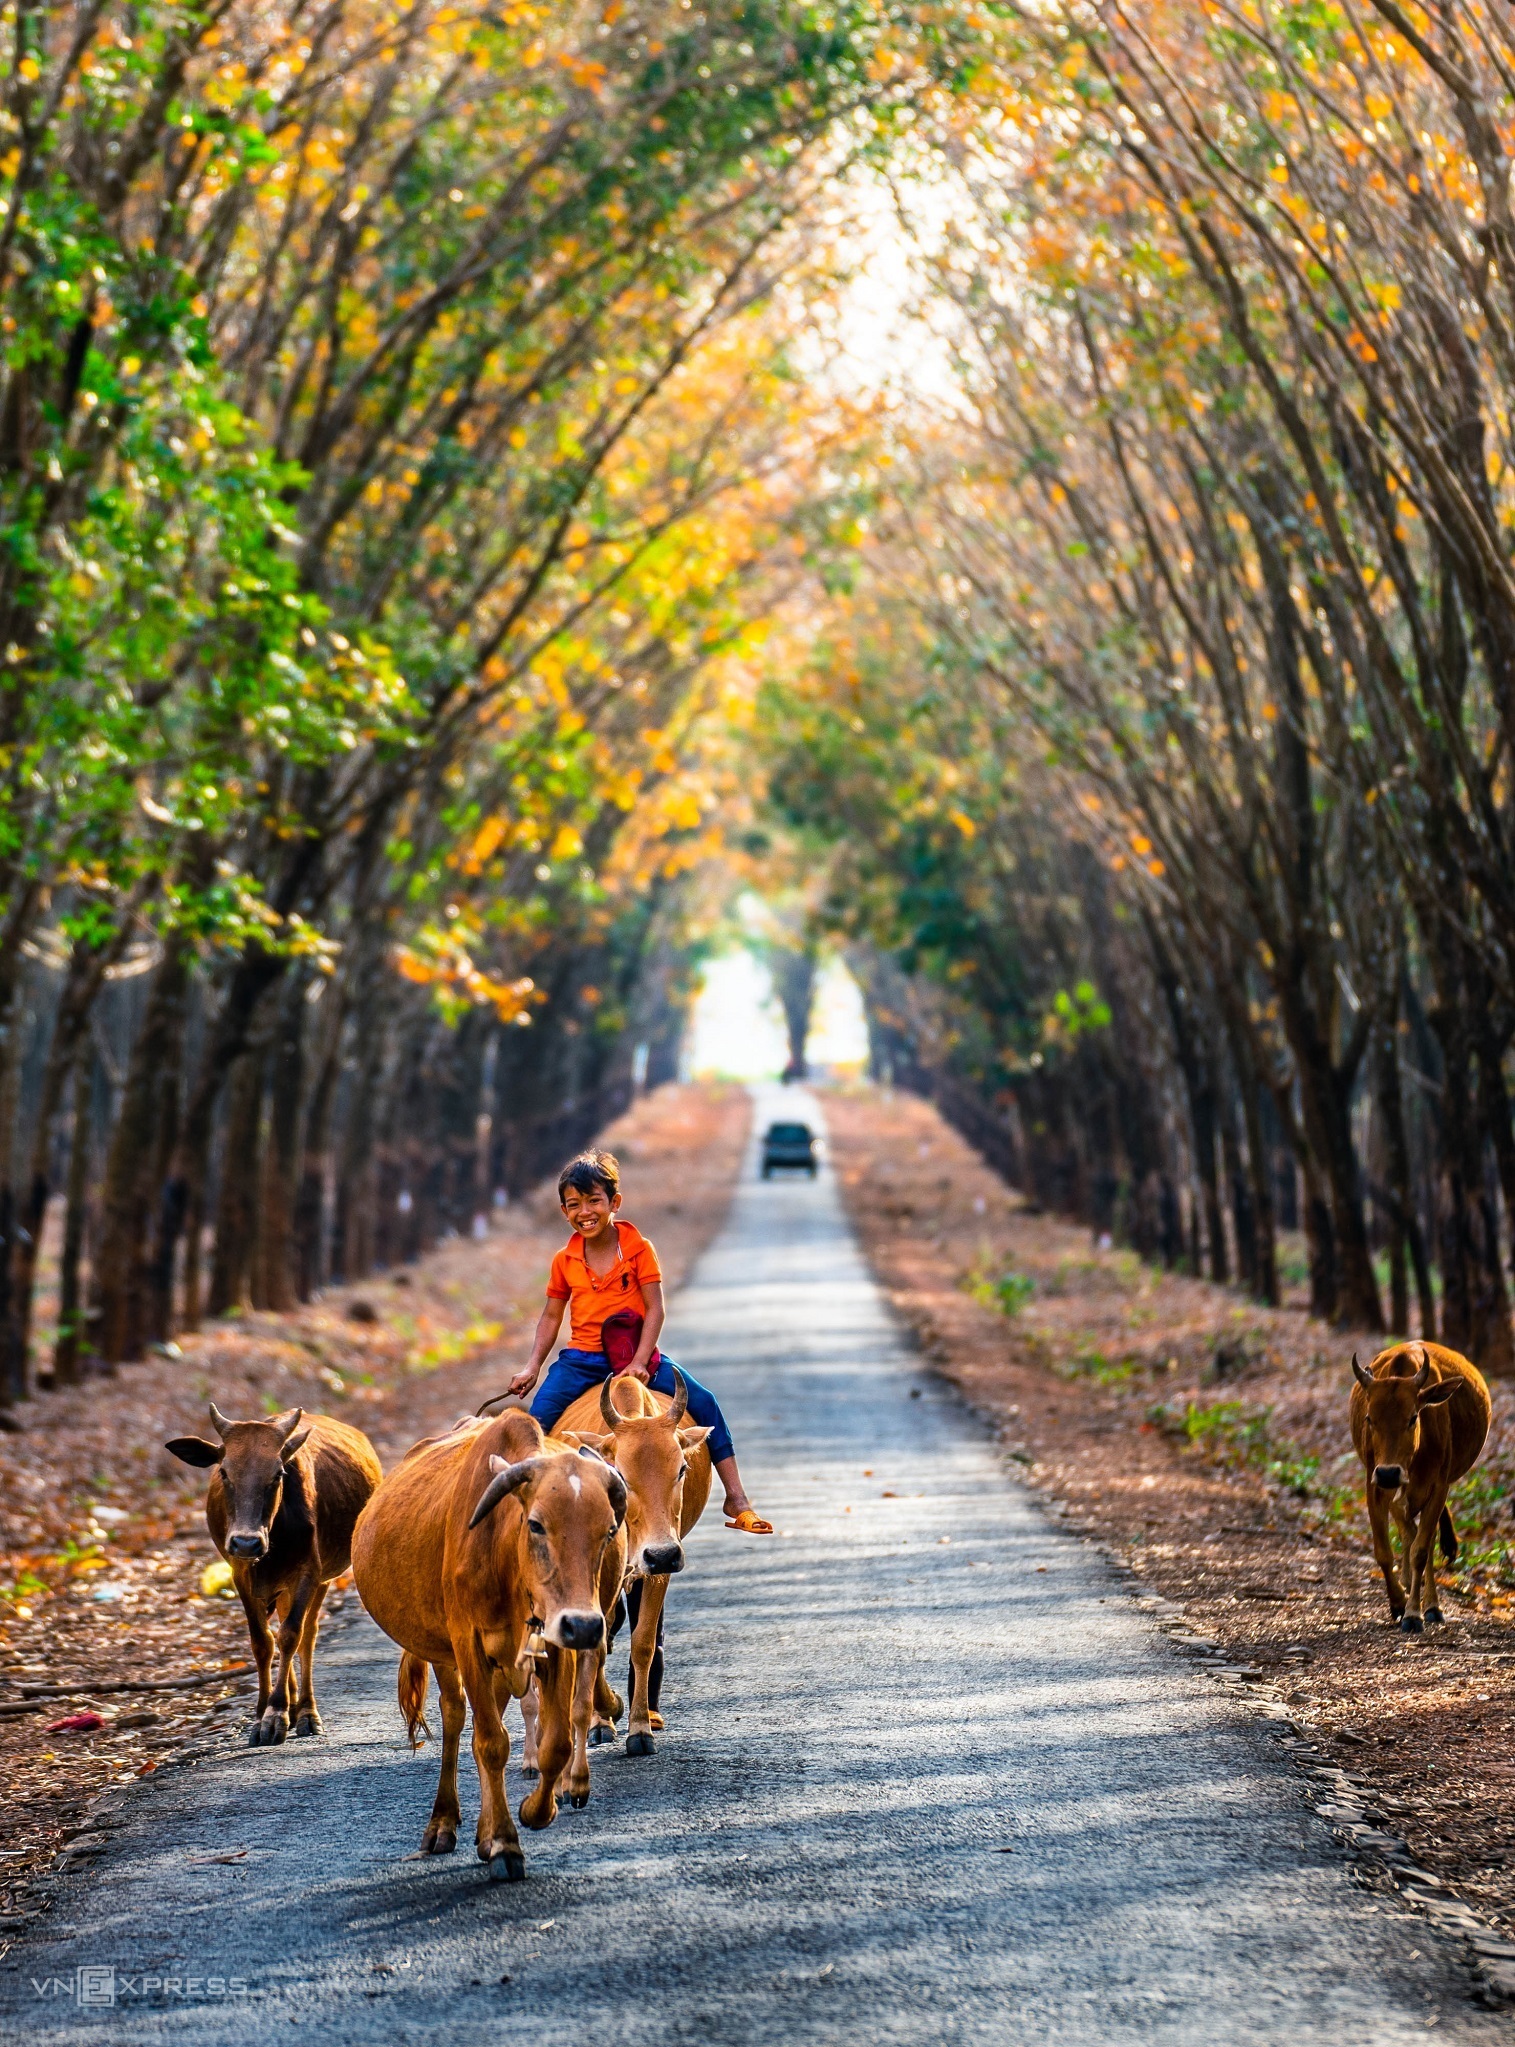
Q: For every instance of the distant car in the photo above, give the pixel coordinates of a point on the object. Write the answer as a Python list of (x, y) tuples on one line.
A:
[(789, 1148)]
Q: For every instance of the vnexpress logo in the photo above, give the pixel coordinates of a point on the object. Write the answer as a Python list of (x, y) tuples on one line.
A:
[(101, 1986)]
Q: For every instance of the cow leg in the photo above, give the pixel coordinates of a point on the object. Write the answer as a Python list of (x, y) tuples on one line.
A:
[(587, 1669), (262, 1644), (293, 1607), (307, 1719), (1409, 1545), (554, 1689), (1423, 1597), (608, 1707), (1383, 1550), (531, 1718), (441, 1835), (644, 1644), (499, 1843)]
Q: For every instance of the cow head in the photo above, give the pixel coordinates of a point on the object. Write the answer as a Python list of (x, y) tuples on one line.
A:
[(252, 1458), (651, 1452), (1395, 1403), (571, 1508)]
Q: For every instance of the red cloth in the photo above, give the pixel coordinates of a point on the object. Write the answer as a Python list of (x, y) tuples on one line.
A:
[(619, 1336)]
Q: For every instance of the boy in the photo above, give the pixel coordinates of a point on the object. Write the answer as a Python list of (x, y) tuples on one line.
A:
[(606, 1267)]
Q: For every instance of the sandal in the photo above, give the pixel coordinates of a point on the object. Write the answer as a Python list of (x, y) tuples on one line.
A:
[(749, 1522)]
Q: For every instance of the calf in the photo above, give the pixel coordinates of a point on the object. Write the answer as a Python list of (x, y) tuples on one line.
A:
[(1420, 1414), (484, 1554), (666, 1467), (281, 1508)]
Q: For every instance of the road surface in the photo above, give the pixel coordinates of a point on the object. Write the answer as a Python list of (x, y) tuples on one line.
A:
[(930, 1776)]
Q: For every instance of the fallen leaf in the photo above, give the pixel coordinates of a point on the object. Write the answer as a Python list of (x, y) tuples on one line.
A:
[(75, 1723)]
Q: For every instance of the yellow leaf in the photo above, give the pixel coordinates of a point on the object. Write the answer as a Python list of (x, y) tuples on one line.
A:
[(216, 1581)]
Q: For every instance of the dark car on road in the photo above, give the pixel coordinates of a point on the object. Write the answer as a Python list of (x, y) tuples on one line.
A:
[(789, 1148)]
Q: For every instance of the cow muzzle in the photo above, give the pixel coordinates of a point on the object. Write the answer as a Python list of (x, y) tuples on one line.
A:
[(662, 1559), (1388, 1477), (576, 1630), (250, 1546)]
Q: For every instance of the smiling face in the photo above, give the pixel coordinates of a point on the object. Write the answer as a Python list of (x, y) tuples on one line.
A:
[(590, 1212)]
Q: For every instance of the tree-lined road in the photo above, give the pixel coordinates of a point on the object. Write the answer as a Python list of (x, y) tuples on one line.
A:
[(929, 1776)]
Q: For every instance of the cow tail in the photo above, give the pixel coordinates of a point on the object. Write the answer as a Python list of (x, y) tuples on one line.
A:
[(414, 1674), (1448, 1535)]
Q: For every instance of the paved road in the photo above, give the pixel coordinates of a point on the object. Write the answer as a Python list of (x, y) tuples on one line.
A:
[(914, 1790)]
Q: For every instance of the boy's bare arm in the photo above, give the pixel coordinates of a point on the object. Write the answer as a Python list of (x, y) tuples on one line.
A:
[(641, 1365), (548, 1323)]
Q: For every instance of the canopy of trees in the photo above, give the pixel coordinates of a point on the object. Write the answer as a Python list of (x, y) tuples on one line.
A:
[(430, 521)]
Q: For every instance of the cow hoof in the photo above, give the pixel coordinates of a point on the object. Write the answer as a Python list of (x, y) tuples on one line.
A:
[(1412, 1624), (640, 1745), (601, 1735), (538, 1811), (273, 1736), (441, 1842), (530, 1770), (309, 1723), (578, 1800), (509, 1868), (255, 1734), (1433, 1614)]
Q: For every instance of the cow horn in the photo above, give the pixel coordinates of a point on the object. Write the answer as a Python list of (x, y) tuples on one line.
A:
[(680, 1405), (608, 1412), (287, 1432), (508, 1478), (1424, 1373), (219, 1421), (1360, 1372)]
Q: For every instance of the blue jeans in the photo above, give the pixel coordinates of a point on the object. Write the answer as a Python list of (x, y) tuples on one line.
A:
[(573, 1372)]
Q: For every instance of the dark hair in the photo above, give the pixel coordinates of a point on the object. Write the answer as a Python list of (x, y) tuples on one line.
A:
[(591, 1169)]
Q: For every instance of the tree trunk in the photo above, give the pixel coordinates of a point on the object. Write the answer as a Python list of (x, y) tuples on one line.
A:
[(69, 1347), (1406, 1230), (274, 1265), (236, 1205), (121, 1280)]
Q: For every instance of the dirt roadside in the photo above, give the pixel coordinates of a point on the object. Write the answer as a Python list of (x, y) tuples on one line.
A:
[(102, 1534), (1205, 1441)]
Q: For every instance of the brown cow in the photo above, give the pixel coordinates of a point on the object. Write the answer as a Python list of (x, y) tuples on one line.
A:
[(482, 1555), (666, 1467), (281, 1509), (1420, 1414)]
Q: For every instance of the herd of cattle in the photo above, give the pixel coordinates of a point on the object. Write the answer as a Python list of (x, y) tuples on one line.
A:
[(498, 1557), (504, 1559)]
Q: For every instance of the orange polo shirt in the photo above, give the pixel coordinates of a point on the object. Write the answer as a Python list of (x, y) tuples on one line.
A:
[(593, 1298)]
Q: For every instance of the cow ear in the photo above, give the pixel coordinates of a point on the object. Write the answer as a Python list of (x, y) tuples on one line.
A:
[(195, 1450), (1360, 1372), (585, 1441), (691, 1439), (296, 1443), (1437, 1395)]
